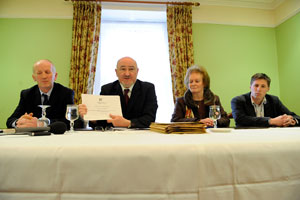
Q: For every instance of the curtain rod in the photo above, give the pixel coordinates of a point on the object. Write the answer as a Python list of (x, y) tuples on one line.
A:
[(145, 2)]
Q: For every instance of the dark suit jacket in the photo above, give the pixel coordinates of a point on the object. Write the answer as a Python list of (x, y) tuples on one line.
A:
[(244, 114), (31, 98), (142, 104)]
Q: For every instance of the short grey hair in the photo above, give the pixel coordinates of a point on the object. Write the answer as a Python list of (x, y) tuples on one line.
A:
[(127, 57), (52, 65)]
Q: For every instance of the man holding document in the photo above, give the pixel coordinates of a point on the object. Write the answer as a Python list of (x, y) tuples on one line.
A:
[(137, 98)]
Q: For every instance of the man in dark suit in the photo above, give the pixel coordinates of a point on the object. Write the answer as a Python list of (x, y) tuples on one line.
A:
[(138, 98), (258, 109), (45, 92)]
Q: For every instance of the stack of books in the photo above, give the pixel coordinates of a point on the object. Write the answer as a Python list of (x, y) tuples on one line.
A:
[(178, 127)]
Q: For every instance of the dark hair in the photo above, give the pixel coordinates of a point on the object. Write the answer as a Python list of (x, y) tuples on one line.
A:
[(260, 76), (199, 69)]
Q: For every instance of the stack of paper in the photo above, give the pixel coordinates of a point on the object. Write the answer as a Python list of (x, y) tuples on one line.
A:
[(178, 127)]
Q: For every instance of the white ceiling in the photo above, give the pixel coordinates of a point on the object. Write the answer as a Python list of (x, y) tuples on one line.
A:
[(261, 4)]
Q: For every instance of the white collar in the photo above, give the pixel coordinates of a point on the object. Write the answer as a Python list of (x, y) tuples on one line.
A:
[(263, 102), (48, 93), (130, 88)]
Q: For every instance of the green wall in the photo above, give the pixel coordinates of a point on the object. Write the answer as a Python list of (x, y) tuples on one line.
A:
[(232, 54), (24, 41), (288, 50)]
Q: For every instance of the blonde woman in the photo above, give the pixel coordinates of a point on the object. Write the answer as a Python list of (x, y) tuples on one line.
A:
[(194, 105)]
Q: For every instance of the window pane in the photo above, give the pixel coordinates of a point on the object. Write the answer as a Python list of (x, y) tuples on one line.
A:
[(147, 43)]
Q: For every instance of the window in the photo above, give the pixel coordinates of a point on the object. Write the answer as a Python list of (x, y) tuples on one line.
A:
[(141, 35)]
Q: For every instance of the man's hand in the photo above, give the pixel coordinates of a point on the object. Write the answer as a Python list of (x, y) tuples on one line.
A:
[(118, 121), (288, 120), (27, 120), (283, 121), (82, 109)]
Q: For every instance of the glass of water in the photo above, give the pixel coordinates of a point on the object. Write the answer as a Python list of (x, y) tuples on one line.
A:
[(72, 114), (214, 114), (44, 120)]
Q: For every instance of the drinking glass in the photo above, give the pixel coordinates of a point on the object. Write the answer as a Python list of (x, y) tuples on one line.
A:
[(72, 114), (214, 114), (44, 119)]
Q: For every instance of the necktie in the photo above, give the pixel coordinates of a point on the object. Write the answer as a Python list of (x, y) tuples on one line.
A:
[(45, 101), (126, 96)]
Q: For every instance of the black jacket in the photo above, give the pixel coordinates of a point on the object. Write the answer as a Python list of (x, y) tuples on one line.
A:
[(142, 105), (244, 114), (31, 98)]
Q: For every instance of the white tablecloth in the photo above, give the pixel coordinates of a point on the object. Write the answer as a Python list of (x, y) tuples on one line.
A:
[(142, 165)]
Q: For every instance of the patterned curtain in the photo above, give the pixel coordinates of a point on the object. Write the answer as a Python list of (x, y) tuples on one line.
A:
[(85, 42), (179, 22)]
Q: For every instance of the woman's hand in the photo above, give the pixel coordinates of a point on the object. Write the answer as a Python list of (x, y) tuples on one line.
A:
[(207, 122)]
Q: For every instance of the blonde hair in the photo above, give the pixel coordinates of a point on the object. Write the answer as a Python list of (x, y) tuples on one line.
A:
[(199, 69)]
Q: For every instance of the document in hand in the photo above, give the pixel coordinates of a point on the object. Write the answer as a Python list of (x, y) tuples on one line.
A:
[(100, 106), (178, 127)]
